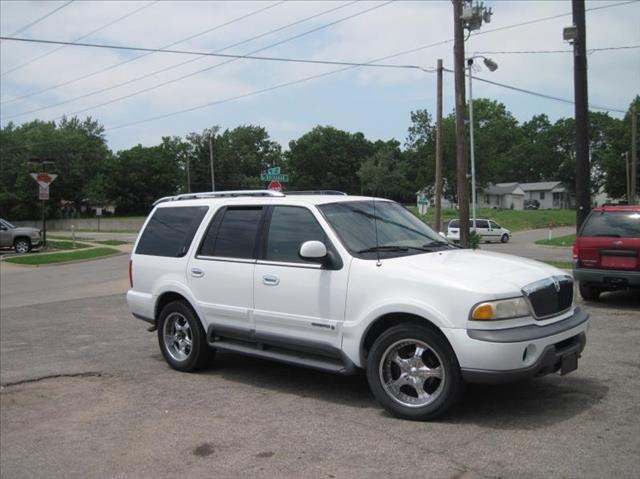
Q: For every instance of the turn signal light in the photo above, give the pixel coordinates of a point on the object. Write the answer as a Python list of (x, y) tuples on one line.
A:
[(483, 312)]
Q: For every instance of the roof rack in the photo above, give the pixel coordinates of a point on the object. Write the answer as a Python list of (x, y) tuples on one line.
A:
[(218, 194), (317, 192)]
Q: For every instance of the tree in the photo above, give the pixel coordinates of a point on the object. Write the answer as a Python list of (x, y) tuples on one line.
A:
[(382, 174), (328, 158)]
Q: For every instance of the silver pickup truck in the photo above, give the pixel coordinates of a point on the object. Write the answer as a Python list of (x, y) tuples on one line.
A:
[(22, 239)]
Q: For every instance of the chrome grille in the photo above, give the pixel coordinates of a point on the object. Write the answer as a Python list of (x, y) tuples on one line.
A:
[(550, 296)]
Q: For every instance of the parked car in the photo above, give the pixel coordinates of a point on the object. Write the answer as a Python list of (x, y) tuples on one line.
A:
[(342, 283), (22, 239), (531, 204), (606, 253), (488, 230)]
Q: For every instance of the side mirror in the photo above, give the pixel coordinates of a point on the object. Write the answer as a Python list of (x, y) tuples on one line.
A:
[(313, 251)]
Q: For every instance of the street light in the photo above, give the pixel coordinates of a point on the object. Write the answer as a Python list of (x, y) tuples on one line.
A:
[(492, 66)]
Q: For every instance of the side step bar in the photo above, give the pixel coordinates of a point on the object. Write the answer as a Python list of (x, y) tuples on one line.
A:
[(258, 350)]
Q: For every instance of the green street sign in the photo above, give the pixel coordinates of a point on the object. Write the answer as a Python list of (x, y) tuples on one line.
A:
[(273, 171), (274, 177)]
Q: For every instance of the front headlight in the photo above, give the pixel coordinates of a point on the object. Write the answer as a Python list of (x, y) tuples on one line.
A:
[(501, 309)]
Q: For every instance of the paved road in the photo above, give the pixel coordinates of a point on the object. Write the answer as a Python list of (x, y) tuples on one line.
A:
[(86, 393), (522, 243)]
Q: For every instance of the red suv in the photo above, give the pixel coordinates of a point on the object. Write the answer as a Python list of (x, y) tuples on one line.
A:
[(606, 254)]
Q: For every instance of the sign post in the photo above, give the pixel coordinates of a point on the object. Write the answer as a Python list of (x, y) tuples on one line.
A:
[(43, 180)]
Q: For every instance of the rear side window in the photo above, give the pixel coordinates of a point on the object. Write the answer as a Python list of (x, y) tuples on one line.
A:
[(170, 231), (291, 226), (616, 224), (481, 223), (234, 234)]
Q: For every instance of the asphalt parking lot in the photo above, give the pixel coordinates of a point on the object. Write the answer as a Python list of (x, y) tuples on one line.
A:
[(86, 393)]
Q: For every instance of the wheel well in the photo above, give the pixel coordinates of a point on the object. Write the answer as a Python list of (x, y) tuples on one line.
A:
[(390, 320), (17, 238), (166, 298)]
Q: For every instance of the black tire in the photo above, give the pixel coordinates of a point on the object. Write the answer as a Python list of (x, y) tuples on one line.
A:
[(175, 351), (589, 292), (504, 238), (442, 393), (22, 245)]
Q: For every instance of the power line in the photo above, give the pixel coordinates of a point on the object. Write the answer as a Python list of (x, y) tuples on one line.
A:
[(29, 62), (147, 75), (544, 19), (213, 54), (406, 52), (538, 94), (167, 82), (589, 51), (288, 59), (115, 65), (29, 25)]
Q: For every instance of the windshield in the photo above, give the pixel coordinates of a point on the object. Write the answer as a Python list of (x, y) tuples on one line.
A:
[(617, 224), (7, 224), (399, 232)]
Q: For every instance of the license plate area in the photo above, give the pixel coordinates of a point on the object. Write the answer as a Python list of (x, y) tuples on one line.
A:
[(619, 262), (568, 363)]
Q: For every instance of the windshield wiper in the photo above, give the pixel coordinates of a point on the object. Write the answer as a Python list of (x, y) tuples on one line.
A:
[(373, 249), (436, 243)]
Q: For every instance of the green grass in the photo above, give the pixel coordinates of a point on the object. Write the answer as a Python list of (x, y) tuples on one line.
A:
[(39, 259), (559, 241), (514, 220), (65, 245), (67, 238), (560, 264), (112, 242)]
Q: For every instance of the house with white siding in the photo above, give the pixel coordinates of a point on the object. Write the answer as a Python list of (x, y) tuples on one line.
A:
[(550, 194), (501, 195)]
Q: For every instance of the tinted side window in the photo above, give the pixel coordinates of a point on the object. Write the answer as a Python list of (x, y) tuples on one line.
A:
[(170, 231), (290, 227), (481, 224), (453, 224), (235, 237), (621, 224)]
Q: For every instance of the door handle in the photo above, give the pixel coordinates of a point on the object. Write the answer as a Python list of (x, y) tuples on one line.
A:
[(197, 273), (270, 280)]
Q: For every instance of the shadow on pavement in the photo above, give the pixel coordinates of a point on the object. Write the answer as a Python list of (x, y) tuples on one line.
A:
[(623, 300), (526, 405)]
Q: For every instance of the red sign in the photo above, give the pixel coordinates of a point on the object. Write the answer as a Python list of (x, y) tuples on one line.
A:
[(275, 186), (44, 178)]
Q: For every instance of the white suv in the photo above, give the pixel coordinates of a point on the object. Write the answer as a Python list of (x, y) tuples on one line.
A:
[(344, 283)]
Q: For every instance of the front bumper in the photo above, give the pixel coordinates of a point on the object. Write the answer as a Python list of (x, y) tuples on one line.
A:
[(516, 353), (607, 277)]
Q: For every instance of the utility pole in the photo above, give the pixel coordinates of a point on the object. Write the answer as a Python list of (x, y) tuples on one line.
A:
[(188, 175), (634, 156), (461, 153), (213, 178), (583, 187), (627, 169), (438, 203)]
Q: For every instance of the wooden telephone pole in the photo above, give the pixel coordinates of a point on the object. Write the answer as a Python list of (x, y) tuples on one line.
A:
[(461, 144), (438, 190)]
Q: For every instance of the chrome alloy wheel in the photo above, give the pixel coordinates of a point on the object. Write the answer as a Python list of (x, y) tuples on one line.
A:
[(411, 373), (178, 339), (22, 246)]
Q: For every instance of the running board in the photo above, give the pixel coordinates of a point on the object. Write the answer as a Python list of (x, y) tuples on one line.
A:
[(331, 365)]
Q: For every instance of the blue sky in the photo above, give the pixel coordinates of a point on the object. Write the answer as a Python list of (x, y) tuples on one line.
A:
[(376, 102)]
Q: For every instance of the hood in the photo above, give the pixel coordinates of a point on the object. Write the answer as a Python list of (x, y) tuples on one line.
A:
[(480, 271), (25, 230)]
